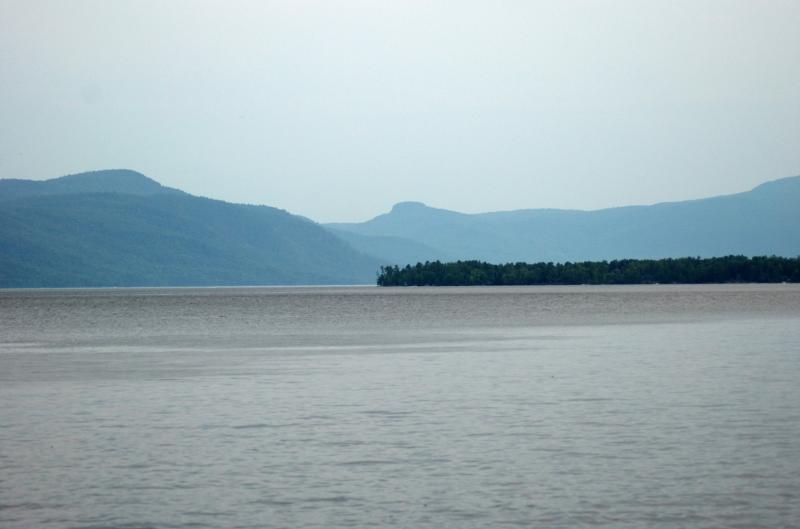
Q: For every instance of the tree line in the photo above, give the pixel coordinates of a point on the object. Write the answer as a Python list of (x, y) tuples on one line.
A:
[(729, 269)]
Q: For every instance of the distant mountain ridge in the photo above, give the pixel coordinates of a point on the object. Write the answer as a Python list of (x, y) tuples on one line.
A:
[(120, 228), (763, 221)]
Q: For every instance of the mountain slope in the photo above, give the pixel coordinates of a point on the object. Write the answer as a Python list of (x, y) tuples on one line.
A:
[(765, 220), (129, 237), (390, 249)]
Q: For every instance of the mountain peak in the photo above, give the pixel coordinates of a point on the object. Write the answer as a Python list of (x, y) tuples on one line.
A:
[(123, 181), (402, 207), (108, 174), (110, 181)]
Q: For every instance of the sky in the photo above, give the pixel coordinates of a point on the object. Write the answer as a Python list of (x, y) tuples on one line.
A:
[(336, 110)]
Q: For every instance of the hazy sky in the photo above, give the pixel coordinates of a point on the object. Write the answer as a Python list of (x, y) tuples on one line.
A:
[(337, 110)]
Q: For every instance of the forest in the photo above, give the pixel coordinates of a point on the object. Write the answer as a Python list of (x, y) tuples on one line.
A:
[(729, 269)]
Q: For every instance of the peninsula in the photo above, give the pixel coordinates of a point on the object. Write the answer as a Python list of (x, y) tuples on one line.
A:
[(730, 269)]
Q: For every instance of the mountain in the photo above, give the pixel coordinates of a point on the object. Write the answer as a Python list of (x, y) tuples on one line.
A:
[(120, 228), (763, 221)]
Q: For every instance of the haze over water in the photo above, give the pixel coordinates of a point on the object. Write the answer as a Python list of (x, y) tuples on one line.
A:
[(645, 406)]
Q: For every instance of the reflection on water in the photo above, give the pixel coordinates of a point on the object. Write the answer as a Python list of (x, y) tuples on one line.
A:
[(659, 406)]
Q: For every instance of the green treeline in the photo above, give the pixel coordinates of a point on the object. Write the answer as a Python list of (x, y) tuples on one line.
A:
[(730, 269)]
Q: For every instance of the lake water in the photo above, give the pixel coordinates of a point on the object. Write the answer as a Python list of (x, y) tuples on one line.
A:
[(643, 406)]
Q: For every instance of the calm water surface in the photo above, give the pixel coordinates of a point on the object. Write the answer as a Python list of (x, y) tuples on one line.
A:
[(660, 406)]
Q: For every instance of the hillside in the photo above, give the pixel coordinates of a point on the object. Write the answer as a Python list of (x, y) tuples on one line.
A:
[(763, 221), (119, 228)]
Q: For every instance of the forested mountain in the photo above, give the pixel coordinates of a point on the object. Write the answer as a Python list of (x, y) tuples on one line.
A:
[(763, 221), (119, 228)]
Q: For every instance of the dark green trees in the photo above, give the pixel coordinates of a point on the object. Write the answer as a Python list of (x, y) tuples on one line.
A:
[(730, 269)]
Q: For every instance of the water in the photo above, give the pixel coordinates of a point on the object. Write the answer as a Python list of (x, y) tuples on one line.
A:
[(661, 406)]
